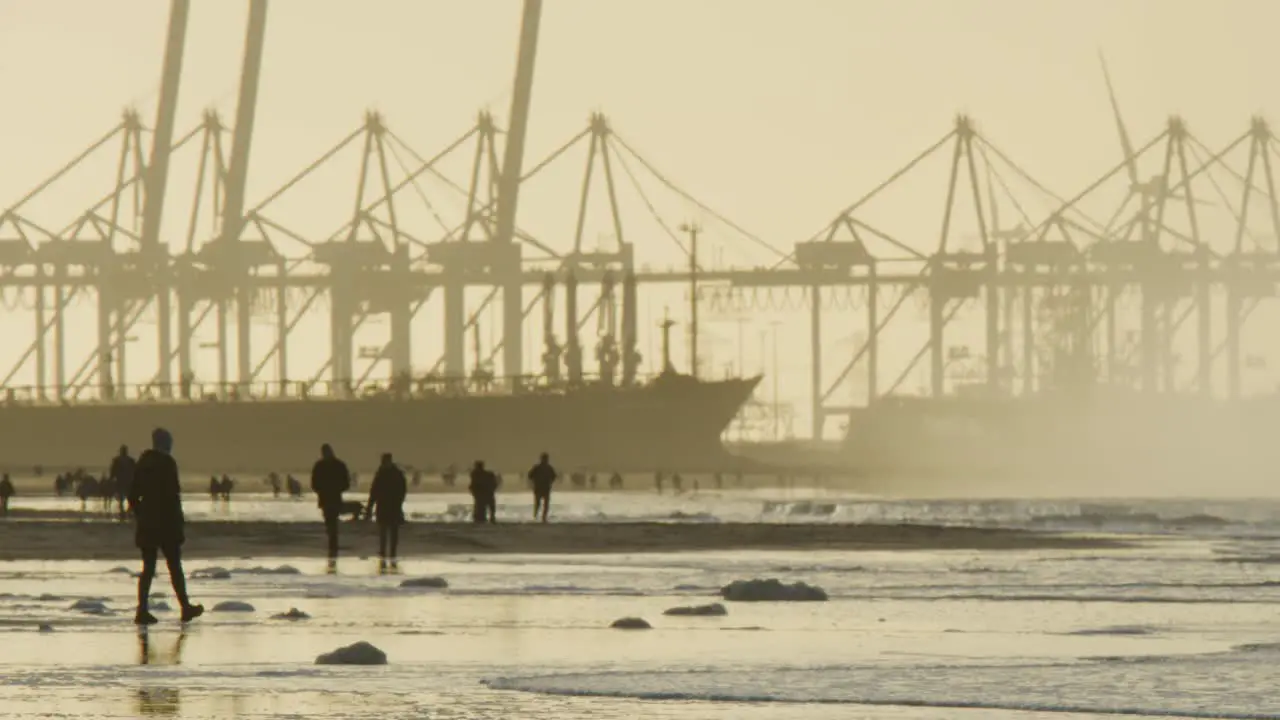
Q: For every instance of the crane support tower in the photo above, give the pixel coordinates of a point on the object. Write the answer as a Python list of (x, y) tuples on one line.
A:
[(509, 189)]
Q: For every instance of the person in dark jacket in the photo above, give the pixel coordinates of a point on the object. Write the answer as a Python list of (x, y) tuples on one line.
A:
[(156, 498), (484, 494), (6, 491), (386, 503), (542, 476), (329, 479), (121, 475)]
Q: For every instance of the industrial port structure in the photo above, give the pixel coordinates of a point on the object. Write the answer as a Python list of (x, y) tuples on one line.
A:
[(1061, 299)]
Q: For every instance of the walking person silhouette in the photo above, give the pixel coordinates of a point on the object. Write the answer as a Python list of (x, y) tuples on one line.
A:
[(121, 474), (329, 479), (484, 494), (542, 476), (6, 491), (386, 503), (156, 499)]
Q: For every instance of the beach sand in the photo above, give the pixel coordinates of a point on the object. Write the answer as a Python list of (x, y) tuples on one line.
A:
[(31, 536)]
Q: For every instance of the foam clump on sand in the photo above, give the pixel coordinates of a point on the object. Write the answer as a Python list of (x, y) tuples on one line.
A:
[(771, 590), (712, 610), (631, 623), (260, 570), (86, 605), (293, 614), (1116, 630), (425, 582), (361, 653), (695, 516), (211, 573), (233, 606)]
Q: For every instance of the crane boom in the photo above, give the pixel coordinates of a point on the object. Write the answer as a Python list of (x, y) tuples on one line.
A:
[(157, 174), (509, 189), (246, 110), (518, 121), (237, 174)]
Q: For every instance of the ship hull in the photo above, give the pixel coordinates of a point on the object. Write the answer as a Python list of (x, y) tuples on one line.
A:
[(1096, 443), (671, 424), (1065, 442)]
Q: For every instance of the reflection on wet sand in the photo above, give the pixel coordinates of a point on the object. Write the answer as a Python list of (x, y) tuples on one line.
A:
[(156, 700)]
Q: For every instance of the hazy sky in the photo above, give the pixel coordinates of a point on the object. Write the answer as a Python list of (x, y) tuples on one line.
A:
[(777, 114)]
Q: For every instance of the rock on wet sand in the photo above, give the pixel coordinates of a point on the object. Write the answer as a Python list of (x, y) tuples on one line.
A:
[(86, 605), (361, 653), (425, 582), (771, 590)]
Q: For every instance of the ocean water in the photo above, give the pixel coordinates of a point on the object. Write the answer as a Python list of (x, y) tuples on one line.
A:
[(1185, 624), (1241, 516)]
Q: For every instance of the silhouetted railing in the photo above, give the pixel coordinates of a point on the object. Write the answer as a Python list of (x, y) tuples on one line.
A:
[(296, 390)]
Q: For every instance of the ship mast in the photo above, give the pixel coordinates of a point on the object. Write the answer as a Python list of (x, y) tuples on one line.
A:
[(693, 229), (666, 325)]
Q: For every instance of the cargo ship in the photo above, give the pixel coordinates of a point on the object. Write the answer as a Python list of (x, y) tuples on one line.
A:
[(1097, 440), (673, 421), (1062, 440)]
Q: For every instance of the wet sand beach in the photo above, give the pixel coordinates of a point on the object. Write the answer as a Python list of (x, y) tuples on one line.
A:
[(28, 536)]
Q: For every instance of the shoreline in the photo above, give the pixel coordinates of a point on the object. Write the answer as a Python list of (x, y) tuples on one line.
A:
[(195, 488), (106, 540)]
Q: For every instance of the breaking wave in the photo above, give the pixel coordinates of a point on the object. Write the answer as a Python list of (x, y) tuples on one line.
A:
[(1136, 688), (1146, 517)]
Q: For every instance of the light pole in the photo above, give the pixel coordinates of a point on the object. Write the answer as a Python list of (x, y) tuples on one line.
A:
[(741, 370), (693, 229), (776, 418), (764, 354), (764, 335)]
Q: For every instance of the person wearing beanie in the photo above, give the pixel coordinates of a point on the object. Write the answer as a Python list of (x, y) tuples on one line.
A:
[(156, 498)]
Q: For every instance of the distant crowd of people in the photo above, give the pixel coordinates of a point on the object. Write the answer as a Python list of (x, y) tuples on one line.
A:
[(148, 490), (110, 490)]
